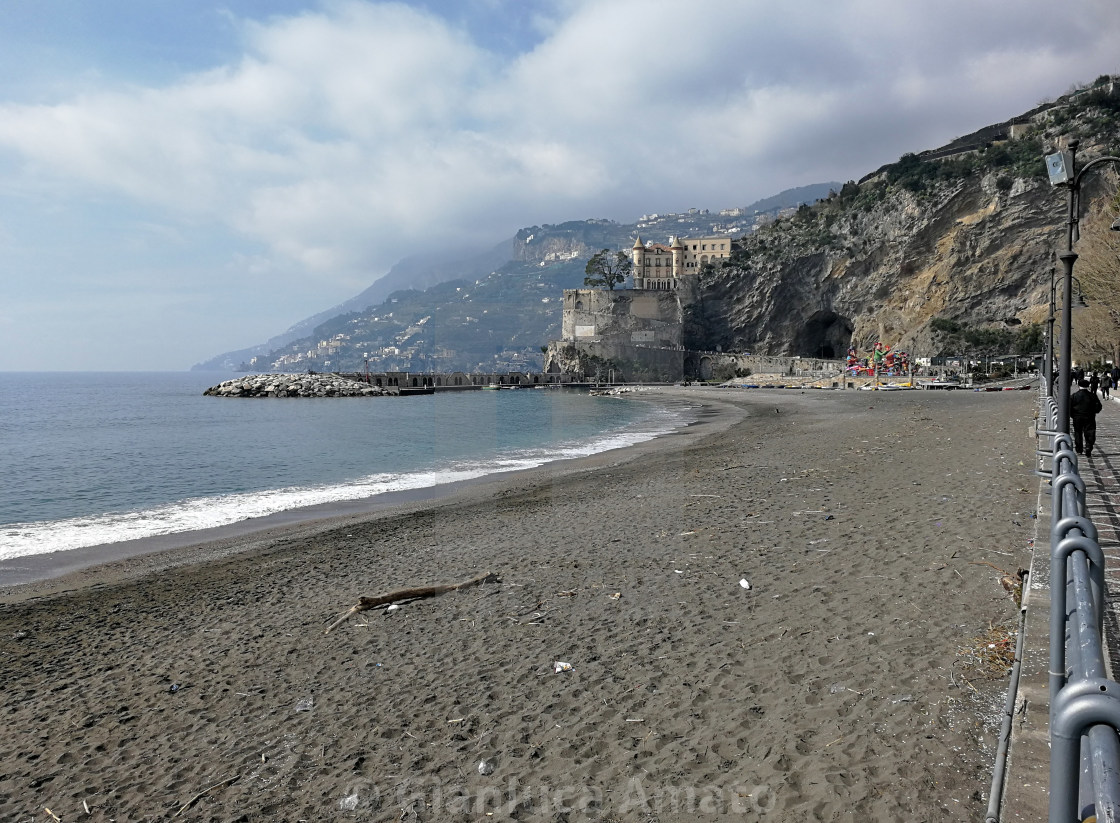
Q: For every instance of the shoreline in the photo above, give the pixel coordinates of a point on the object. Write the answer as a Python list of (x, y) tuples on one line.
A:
[(45, 574), (849, 680)]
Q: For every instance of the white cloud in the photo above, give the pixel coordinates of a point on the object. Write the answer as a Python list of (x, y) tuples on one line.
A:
[(346, 136)]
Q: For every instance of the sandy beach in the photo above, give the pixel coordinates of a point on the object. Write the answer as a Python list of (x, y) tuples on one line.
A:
[(848, 682)]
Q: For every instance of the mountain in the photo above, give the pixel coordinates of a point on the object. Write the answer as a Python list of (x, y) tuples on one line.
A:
[(947, 252), (441, 311), (417, 271)]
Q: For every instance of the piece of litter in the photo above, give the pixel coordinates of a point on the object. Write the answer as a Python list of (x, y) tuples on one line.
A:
[(392, 608), (485, 767), (635, 720), (348, 803), (561, 666), (305, 705), (615, 596), (746, 585), (678, 571)]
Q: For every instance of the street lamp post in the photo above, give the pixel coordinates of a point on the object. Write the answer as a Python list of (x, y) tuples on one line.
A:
[(1050, 336), (1062, 167)]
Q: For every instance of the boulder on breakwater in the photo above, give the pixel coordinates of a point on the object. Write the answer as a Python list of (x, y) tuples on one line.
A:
[(294, 385)]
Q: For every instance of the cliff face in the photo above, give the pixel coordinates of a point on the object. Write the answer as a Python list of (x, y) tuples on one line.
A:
[(975, 251), (575, 240), (966, 233)]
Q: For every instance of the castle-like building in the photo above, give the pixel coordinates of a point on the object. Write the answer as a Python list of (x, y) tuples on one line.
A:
[(658, 267), (642, 327)]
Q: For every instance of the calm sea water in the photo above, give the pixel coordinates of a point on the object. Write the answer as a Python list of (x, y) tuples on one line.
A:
[(88, 459)]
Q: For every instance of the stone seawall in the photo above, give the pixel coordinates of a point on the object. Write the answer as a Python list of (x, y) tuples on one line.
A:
[(294, 385)]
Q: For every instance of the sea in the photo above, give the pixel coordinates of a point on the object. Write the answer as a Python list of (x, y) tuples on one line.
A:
[(90, 459)]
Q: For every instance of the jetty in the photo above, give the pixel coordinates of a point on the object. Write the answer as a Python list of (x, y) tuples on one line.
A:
[(381, 384)]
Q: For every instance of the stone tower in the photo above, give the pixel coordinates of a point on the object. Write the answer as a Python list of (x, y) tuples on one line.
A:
[(638, 258), (677, 248)]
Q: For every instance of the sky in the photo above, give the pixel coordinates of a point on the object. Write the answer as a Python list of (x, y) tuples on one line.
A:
[(181, 178)]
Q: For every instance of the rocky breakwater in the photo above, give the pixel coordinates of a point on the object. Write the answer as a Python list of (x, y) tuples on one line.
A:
[(294, 385)]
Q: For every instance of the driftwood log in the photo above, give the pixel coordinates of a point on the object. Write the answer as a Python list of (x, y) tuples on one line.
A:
[(366, 603)]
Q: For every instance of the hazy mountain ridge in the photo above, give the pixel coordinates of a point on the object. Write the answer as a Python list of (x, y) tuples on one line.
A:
[(417, 271), (965, 233), (379, 319)]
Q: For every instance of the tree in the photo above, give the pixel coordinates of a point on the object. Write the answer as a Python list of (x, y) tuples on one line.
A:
[(605, 270)]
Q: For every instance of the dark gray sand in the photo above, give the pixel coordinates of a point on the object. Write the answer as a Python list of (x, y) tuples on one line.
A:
[(847, 683)]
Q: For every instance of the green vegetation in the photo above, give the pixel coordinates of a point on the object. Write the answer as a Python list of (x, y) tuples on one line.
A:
[(953, 337), (607, 270), (1015, 158)]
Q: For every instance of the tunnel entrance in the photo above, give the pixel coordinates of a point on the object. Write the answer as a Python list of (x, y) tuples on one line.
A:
[(826, 335)]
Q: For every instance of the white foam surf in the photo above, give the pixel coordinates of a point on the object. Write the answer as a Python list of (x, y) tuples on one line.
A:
[(194, 514)]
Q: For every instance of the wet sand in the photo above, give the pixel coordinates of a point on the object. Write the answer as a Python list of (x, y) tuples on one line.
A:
[(843, 684)]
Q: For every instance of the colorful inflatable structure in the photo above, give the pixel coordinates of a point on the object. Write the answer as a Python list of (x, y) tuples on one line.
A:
[(883, 361)]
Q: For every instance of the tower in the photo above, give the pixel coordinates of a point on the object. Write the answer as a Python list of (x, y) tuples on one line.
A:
[(677, 248), (638, 255)]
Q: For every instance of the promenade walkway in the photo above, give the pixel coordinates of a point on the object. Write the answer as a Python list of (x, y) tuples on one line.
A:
[(1028, 774)]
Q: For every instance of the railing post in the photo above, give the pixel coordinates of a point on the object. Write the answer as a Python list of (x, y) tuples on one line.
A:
[(1077, 708)]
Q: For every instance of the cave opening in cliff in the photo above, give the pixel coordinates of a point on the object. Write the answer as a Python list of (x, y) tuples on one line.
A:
[(826, 335)]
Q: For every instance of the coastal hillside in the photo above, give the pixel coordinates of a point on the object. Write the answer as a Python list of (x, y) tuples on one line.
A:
[(929, 252), (488, 309), (949, 251), (419, 271)]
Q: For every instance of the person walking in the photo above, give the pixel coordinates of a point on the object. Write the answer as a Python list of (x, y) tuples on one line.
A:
[(1106, 384), (1084, 406), (1094, 382)]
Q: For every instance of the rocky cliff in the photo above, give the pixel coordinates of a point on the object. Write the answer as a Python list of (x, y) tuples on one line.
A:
[(969, 237), (967, 251)]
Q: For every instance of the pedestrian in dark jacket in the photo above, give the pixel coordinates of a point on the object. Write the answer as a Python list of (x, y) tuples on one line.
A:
[(1094, 382), (1106, 384), (1084, 406)]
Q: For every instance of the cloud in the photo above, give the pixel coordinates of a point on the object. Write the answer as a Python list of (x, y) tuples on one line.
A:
[(383, 116), (350, 134)]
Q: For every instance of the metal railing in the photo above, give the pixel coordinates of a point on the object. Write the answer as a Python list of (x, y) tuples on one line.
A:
[(1084, 702)]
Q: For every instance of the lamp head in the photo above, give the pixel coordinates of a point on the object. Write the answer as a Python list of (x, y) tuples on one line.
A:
[(1059, 166)]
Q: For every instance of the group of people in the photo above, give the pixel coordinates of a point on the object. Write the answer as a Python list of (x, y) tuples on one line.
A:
[(1103, 381), (1084, 406)]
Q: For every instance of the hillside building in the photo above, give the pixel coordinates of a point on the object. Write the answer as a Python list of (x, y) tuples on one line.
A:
[(658, 267)]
